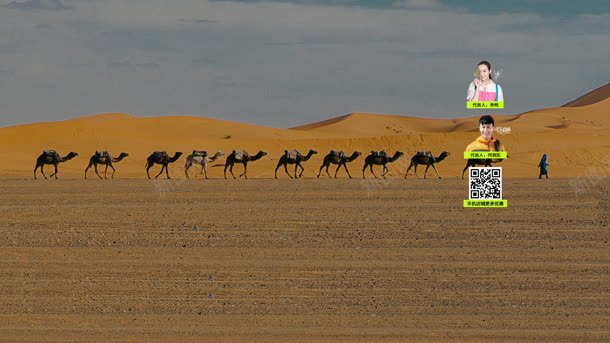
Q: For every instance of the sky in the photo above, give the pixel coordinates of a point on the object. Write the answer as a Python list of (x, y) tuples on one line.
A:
[(291, 62)]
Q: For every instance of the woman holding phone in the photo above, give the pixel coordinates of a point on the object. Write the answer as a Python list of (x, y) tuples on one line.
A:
[(483, 88)]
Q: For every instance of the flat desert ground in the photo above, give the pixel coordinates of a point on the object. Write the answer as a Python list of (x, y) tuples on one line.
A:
[(318, 260), (302, 260)]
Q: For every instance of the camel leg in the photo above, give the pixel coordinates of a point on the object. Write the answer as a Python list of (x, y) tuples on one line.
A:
[(42, 171), (407, 173), (286, 170), (231, 170), (55, 173), (96, 173), (337, 170), (279, 164), (371, 167), (113, 170), (465, 168), (86, 169), (433, 167), (347, 171), (162, 167), (302, 169), (148, 165), (363, 169), (384, 171), (225, 171), (328, 165), (36, 168), (415, 171), (426, 170), (204, 169), (320, 171), (245, 171), (106, 171), (167, 171), (187, 165)]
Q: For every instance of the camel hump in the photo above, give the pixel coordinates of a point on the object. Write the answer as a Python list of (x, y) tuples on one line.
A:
[(200, 152), (102, 153), (376, 153), (292, 154), (337, 153), (49, 152), (159, 154), (239, 154), (424, 153)]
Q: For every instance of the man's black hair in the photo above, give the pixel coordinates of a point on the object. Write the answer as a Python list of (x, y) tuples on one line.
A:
[(487, 119)]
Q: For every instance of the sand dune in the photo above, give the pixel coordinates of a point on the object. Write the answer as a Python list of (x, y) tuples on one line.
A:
[(576, 139), (592, 97)]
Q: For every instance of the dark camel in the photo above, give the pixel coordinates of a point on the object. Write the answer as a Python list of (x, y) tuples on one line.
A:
[(379, 158), (104, 158), (161, 157), (340, 159), (426, 158), (241, 157), (51, 157), (293, 157)]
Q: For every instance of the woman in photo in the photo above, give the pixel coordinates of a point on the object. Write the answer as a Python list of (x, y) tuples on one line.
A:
[(483, 88)]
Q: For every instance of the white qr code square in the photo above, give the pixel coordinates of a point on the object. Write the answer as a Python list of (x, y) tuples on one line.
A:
[(484, 183)]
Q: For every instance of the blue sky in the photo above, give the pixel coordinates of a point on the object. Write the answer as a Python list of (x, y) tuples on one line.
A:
[(287, 63)]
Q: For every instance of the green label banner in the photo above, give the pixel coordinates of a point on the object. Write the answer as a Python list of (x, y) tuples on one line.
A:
[(486, 203), (496, 155), (484, 104)]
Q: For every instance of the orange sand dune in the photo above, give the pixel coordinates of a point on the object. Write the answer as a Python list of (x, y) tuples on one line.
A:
[(594, 116), (577, 140), (592, 97)]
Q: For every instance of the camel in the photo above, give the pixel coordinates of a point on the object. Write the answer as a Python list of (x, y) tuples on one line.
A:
[(379, 158), (293, 157), (426, 158), (161, 157), (104, 158), (340, 159), (51, 157), (242, 157), (201, 158)]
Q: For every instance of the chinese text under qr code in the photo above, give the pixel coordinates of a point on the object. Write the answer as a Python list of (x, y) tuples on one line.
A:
[(485, 183)]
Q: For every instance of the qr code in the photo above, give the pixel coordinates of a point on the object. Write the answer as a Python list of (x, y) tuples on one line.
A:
[(484, 183)]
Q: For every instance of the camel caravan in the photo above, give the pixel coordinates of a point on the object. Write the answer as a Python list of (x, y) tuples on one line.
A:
[(289, 157)]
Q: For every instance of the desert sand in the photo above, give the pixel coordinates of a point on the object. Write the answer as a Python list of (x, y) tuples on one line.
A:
[(302, 260), (575, 139)]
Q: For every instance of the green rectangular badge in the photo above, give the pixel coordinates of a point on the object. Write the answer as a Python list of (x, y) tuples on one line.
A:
[(486, 203), (484, 104), (496, 155)]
